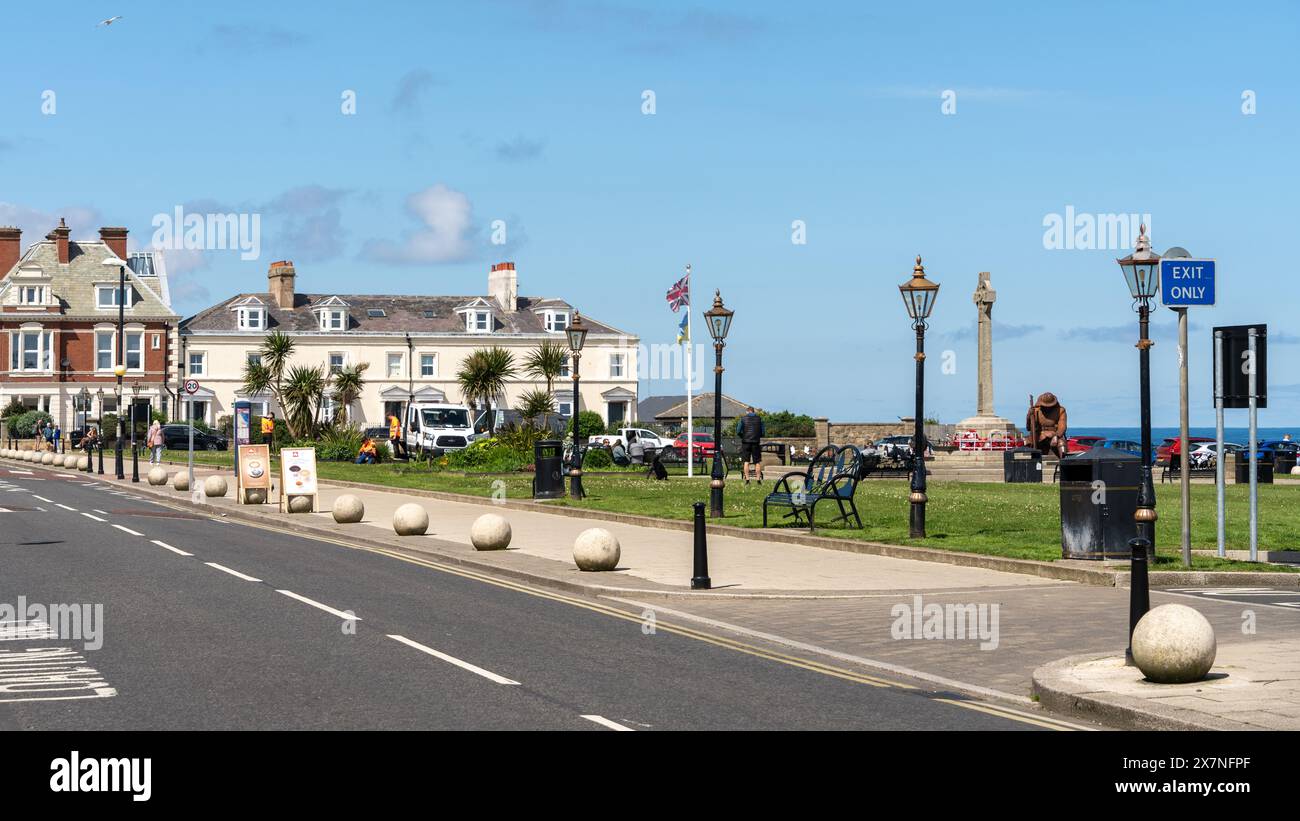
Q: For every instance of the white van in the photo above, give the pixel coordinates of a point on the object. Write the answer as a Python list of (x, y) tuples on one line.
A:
[(433, 427)]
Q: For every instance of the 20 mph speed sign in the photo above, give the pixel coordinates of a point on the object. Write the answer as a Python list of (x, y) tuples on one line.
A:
[(191, 386)]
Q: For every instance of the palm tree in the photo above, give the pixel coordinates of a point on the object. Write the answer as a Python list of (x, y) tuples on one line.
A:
[(546, 362), (267, 374), (535, 403), (304, 388), (483, 376), (348, 384)]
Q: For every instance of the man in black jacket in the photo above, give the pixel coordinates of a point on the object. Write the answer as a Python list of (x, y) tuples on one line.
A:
[(750, 430)]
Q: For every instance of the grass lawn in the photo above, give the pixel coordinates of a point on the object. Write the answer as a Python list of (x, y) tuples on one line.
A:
[(1018, 521)]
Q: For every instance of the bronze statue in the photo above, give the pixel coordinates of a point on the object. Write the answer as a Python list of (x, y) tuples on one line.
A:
[(1046, 425)]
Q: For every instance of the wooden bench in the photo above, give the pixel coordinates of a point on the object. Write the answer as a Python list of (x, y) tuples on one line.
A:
[(832, 475)]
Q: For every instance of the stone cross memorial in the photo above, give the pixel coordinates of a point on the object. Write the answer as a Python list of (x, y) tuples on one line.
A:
[(985, 420)]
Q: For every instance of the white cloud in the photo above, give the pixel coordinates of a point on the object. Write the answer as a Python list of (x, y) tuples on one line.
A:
[(447, 219)]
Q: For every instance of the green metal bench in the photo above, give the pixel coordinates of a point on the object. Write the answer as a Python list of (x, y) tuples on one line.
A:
[(832, 475)]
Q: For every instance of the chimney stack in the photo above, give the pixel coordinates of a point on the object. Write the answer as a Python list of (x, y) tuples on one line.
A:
[(280, 279), (115, 239), (10, 248), (503, 285), (60, 237)]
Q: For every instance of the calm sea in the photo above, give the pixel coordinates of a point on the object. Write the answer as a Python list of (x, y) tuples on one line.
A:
[(1158, 435)]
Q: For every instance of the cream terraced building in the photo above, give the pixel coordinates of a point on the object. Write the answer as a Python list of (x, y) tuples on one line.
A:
[(414, 346)]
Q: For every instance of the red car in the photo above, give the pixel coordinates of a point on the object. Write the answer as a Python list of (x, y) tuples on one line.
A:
[(1079, 444), (703, 445), (1162, 452)]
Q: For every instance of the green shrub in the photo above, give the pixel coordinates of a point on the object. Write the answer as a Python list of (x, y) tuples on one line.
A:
[(785, 423), (597, 458), (589, 424), (25, 424), (342, 443), (14, 408), (490, 455)]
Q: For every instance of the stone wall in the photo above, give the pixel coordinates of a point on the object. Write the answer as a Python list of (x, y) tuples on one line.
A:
[(859, 433)]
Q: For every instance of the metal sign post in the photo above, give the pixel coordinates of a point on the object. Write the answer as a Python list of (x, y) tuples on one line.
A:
[(1254, 447), (1219, 455), (1184, 467), (191, 388)]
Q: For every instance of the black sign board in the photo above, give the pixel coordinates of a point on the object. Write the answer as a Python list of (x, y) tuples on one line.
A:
[(1236, 364)]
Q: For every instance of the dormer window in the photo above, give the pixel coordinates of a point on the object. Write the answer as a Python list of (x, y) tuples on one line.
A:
[(106, 296), (478, 321), (333, 320), (556, 321), (32, 295), (251, 318)]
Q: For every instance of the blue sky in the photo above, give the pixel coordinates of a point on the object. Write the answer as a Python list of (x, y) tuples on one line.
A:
[(765, 113)]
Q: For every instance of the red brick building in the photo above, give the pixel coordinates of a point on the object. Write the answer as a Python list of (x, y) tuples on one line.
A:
[(59, 325)]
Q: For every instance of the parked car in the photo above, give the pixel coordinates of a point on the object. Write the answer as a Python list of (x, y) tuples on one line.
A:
[(1080, 444), (1268, 447), (1204, 454), (1162, 452), (177, 437), (1125, 445), (647, 437), (897, 447), (702, 446)]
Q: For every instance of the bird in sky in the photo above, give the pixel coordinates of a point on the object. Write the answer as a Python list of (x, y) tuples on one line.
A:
[(110, 21)]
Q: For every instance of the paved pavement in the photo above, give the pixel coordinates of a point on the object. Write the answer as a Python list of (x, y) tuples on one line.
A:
[(211, 624)]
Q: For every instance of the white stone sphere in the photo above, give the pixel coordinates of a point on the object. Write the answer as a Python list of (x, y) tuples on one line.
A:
[(410, 520), (348, 509), (490, 532), (596, 549), (83, 462), (255, 496), (299, 504), (215, 486), (57, 460), (158, 476), (26, 456), (47, 458), (181, 480), (1295, 471), (1174, 644)]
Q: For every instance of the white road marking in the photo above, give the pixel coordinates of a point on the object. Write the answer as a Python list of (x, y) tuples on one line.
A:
[(42, 498), (97, 510), (65, 507), (234, 573), (318, 605), (49, 674), (26, 630), (464, 665), (91, 516), (604, 722), (13, 490), (176, 550), (5, 510), (66, 475), (128, 530)]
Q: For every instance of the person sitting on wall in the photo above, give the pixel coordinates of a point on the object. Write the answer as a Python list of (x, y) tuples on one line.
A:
[(619, 455), (1047, 425), (368, 455)]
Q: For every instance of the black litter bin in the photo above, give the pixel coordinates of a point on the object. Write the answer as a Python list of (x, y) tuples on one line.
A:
[(1283, 463), (1022, 465), (548, 469), (1099, 491), (1263, 469)]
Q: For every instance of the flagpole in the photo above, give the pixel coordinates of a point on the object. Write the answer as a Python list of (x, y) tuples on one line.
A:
[(690, 422)]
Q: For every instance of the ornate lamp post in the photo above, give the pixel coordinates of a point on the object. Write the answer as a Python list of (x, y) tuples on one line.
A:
[(1142, 272), (85, 425), (577, 334), (100, 394), (135, 454), (120, 368), (919, 295), (719, 322)]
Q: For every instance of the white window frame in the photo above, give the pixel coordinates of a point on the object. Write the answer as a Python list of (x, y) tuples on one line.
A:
[(37, 293), (433, 365), (246, 313), (333, 319), (203, 363), (618, 366), (155, 341), (128, 296), (126, 358), (566, 368), (253, 357), (328, 408), (329, 361), (388, 364), (44, 351), (557, 321), (112, 349), (478, 322)]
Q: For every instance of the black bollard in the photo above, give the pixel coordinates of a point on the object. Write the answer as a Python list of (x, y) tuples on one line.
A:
[(700, 581), (100, 448), (1139, 598)]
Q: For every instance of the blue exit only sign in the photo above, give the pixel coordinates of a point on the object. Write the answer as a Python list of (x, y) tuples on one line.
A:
[(1186, 282)]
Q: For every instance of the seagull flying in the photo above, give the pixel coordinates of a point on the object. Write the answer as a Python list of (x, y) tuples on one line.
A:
[(110, 21)]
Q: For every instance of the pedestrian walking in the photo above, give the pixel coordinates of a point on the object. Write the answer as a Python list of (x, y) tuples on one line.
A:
[(395, 436), (268, 428), (154, 439), (750, 430), (58, 436)]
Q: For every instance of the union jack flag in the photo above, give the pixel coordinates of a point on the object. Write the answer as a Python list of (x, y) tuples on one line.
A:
[(680, 293)]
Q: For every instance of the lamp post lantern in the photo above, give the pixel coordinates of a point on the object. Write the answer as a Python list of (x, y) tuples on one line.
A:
[(99, 393), (919, 295), (120, 368), (718, 319), (135, 454), (85, 426), (1142, 273), (577, 334)]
